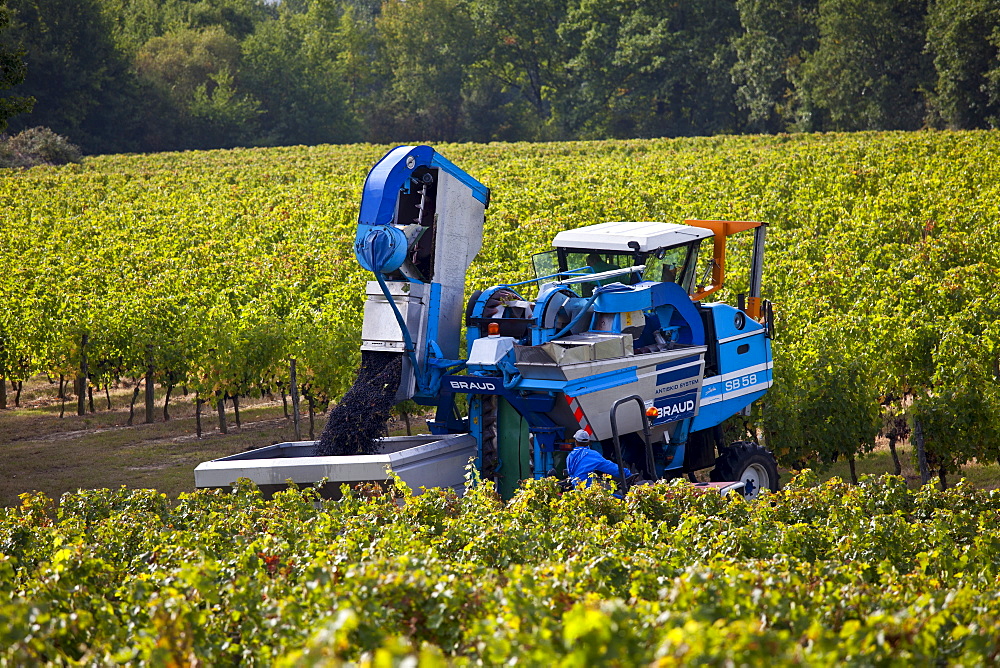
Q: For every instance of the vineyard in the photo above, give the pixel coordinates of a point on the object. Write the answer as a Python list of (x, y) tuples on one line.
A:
[(827, 575), (211, 271)]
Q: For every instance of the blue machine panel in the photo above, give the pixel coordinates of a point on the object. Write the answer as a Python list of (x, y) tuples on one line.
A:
[(678, 375), (675, 407), (602, 381), (676, 395), (472, 384), (744, 367), (669, 300)]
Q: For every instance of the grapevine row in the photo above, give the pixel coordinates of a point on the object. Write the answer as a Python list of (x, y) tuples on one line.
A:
[(214, 269), (828, 575)]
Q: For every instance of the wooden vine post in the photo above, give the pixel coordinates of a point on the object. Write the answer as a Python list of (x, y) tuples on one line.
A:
[(221, 405), (295, 401), (236, 410), (81, 381), (149, 384), (284, 399), (312, 417), (131, 404), (197, 412)]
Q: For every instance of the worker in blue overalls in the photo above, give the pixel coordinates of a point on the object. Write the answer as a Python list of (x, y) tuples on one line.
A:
[(583, 464)]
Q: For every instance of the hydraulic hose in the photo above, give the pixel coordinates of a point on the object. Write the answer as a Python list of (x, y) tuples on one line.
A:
[(407, 340), (612, 287), (376, 252)]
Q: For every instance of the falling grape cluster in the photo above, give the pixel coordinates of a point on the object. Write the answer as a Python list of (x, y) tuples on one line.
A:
[(355, 425)]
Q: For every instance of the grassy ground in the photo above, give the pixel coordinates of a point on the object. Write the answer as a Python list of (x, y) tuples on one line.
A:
[(41, 451), (982, 475)]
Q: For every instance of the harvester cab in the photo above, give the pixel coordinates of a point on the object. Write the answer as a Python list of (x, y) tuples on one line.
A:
[(611, 336)]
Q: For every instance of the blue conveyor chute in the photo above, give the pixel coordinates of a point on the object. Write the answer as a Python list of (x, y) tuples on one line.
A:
[(386, 250)]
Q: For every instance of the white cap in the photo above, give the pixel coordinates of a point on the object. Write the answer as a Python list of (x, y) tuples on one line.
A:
[(582, 436)]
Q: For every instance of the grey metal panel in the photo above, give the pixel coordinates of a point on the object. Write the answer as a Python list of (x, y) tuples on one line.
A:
[(589, 347), (596, 405), (428, 461), (553, 371), (458, 238), (490, 349), (379, 329), (306, 448), (532, 355)]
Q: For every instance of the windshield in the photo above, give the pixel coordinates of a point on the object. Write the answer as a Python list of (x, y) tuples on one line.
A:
[(672, 265), (545, 263)]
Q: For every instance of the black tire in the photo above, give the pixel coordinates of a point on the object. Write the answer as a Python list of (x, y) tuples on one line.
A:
[(750, 463)]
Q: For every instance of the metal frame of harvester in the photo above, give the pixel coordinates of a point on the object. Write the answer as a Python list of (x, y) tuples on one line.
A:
[(614, 312), (612, 337)]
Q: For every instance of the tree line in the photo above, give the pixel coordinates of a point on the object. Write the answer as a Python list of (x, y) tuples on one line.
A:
[(151, 75)]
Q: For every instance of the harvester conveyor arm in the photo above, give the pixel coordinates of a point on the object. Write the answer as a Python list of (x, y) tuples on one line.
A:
[(548, 276)]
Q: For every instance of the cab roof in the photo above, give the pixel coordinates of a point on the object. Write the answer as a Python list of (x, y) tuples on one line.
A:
[(615, 236)]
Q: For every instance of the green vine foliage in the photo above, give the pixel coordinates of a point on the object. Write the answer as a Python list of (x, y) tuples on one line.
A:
[(826, 404), (882, 258), (831, 574)]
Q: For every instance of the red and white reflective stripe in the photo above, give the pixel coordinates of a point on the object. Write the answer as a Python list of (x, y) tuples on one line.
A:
[(581, 419)]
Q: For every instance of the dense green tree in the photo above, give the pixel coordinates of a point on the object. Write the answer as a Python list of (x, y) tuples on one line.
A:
[(81, 84), (238, 18), (193, 70), (12, 73), (777, 36), (426, 47), (364, 10), (134, 22), (115, 75), (964, 37), (869, 69), (650, 69), (597, 81), (522, 50), (183, 61), (295, 66)]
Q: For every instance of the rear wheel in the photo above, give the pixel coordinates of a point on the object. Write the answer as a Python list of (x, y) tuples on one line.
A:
[(749, 463)]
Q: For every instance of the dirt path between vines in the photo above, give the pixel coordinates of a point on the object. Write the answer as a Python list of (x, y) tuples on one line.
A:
[(41, 451)]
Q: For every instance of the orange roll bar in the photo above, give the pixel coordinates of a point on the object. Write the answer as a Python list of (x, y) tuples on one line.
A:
[(723, 229)]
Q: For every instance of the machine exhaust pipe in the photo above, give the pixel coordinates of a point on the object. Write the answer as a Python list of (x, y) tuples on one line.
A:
[(753, 308)]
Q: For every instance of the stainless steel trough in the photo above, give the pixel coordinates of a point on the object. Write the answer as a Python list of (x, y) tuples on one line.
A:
[(421, 461)]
